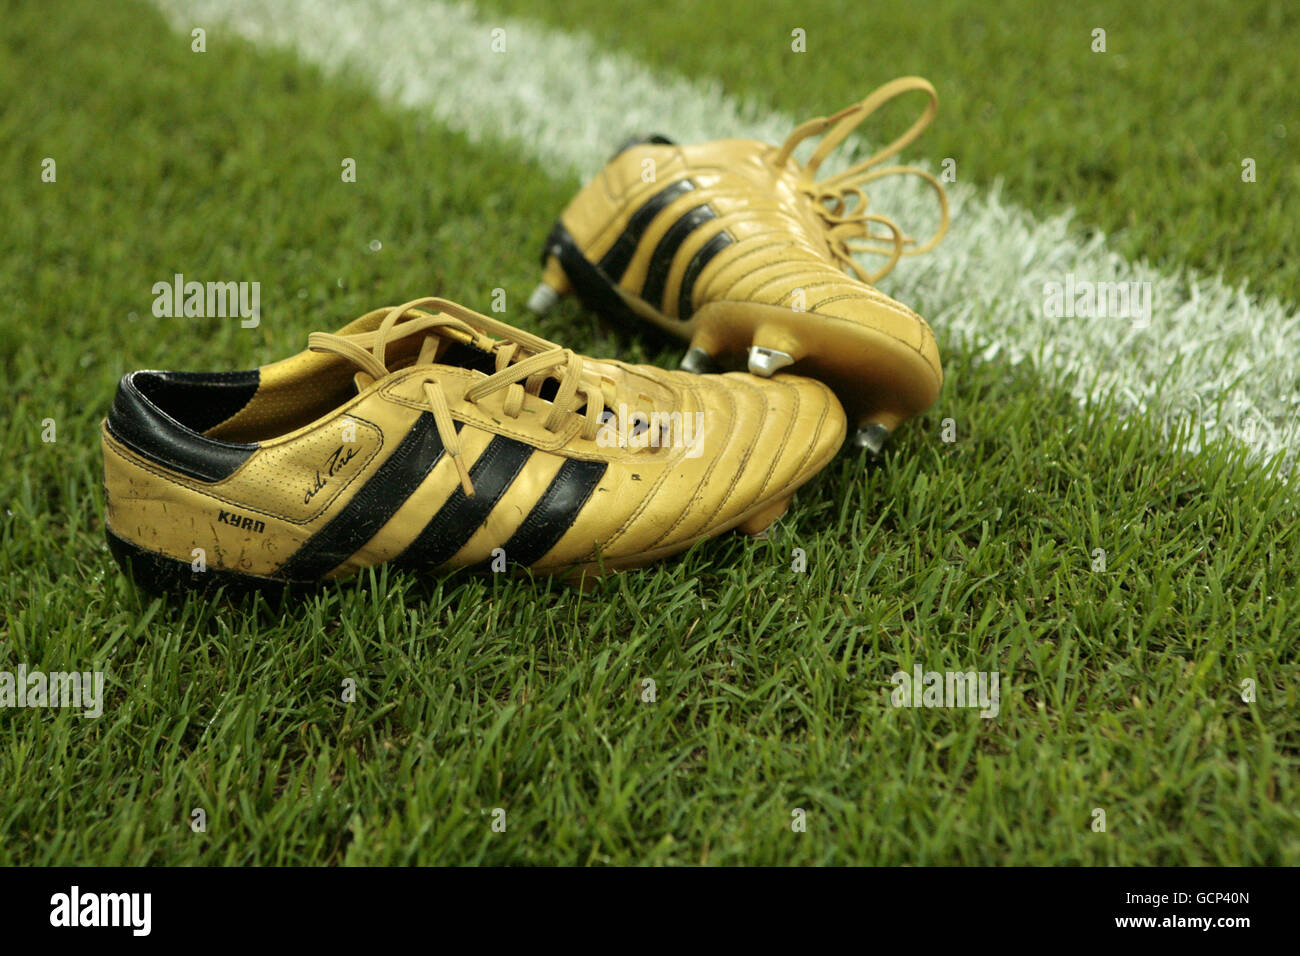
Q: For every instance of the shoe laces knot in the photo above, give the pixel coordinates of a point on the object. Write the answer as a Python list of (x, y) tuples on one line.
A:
[(841, 201), (523, 363)]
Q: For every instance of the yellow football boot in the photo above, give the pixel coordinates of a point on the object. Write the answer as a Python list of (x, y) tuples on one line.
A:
[(736, 247), (429, 436)]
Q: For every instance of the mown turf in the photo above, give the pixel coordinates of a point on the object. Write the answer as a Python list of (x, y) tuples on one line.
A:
[(1121, 690), (1145, 140)]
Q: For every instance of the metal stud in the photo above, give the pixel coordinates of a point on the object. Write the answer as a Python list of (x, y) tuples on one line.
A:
[(767, 362)]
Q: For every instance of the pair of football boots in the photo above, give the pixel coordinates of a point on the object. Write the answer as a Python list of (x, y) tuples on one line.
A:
[(428, 436)]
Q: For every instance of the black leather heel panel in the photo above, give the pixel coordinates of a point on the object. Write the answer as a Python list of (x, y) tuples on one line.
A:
[(199, 400), (140, 424)]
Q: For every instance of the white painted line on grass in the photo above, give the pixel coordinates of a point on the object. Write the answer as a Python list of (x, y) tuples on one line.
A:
[(1208, 354)]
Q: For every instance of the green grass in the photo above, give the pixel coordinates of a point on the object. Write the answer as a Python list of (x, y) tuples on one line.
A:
[(1145, 140), (1120, 690)]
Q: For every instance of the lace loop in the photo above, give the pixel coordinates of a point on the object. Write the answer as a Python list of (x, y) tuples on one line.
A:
[(368, 351), (447, 432), (847, 221)]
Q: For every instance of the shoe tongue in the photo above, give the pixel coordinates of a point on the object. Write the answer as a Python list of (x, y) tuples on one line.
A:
[(428, 347)]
